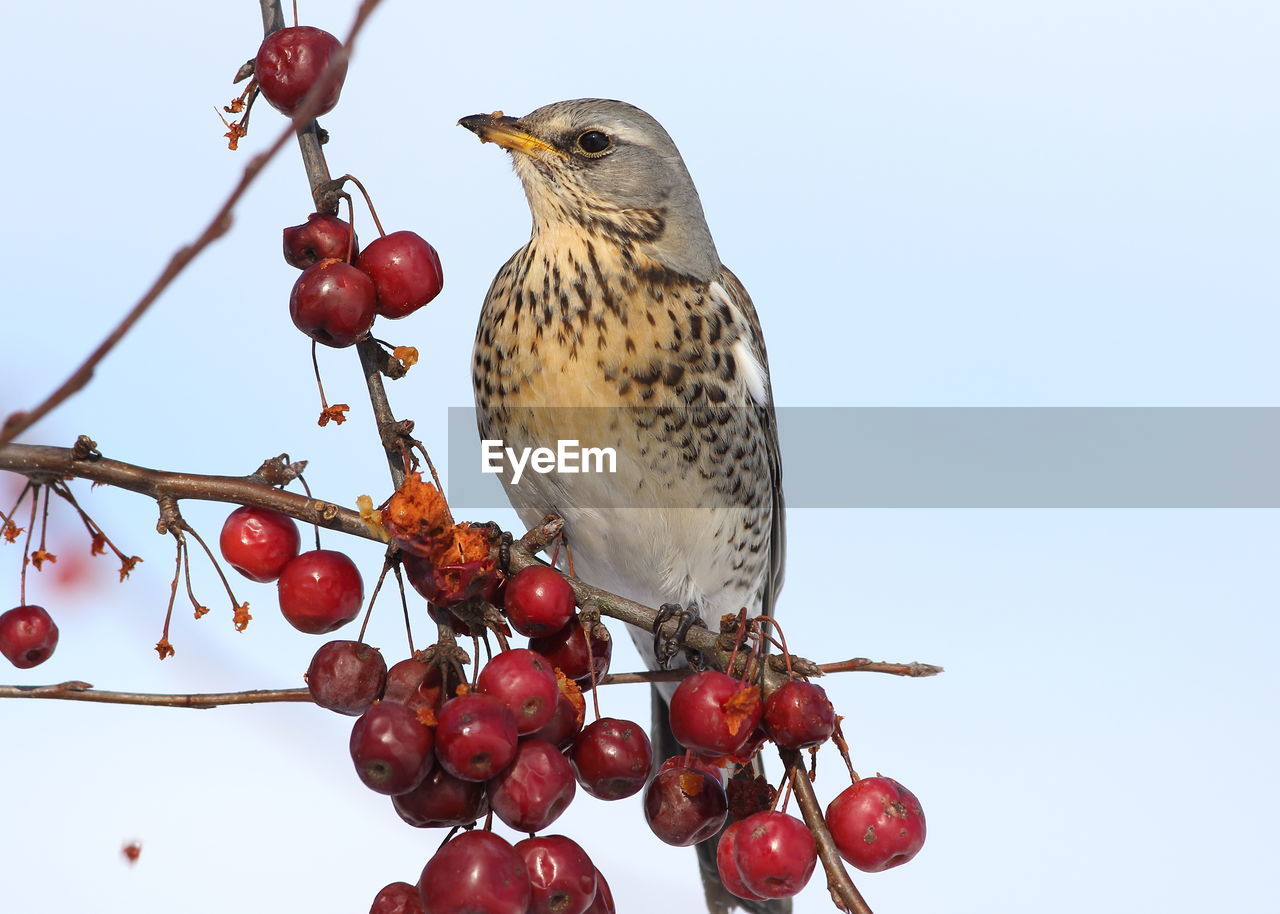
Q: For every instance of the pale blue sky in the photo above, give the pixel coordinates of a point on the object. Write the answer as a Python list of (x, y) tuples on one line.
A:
[(996, 203)]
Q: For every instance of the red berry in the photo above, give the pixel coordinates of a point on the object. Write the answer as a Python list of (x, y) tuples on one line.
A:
[(406, 271), (564, 725), (775, 854), (567, 651), (320, 591), (685, 805), (258, 542), (28, 636), (728, 867), (537, 787), (414, 683), (322, 237), (346, 676), (525, 682), (475, 873), (603, 903), (475, 736), (290, 61), (397, 898), (333, 303), (391, 748), (877, 824), (562, 876), (713, 713), (798, 715), (612, 758), (539, 602), (442, 801)]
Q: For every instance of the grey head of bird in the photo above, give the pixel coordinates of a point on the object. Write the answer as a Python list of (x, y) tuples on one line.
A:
[(608, 169)]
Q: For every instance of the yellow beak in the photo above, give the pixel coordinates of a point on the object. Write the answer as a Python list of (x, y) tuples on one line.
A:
[(506, 132)]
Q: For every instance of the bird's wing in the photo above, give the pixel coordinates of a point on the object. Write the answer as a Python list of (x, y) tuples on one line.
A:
[(754, 361)]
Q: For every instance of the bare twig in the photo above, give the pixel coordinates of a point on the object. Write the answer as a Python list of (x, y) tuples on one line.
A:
[(83, 691), (218, 226)]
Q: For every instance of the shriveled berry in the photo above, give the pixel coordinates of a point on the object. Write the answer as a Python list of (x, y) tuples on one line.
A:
[(562, 876), (535, 789), (475, 736), (28, 636), (346, 676), (685, 805), (322, 237), (258, 542), (290, 61), (798, 714), (391, 748)]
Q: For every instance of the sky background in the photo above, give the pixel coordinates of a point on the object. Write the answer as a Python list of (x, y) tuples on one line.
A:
[(933, 204)]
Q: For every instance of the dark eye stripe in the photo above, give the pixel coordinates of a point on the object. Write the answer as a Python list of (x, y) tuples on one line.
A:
[(594, 142)]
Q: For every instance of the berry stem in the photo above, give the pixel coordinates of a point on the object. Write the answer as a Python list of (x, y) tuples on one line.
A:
[(26, 544), (368, 201), (404, 605), (387, 563)]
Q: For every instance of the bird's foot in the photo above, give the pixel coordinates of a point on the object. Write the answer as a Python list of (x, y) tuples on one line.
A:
[(666, 648)]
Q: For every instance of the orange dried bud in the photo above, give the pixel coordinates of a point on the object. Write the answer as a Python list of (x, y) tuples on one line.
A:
[(742, 705), (164, 648), (11, 532), (573, 692), (201, 611), (127, 565), (406, 356), (132, 851), (233, 134), (99, 545), (39, 557), (335, 414), (427, 717), (241, 617)]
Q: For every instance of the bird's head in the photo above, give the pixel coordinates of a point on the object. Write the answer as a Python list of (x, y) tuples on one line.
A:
[(610, 170)]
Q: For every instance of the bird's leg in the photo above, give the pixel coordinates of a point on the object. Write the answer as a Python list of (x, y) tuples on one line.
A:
[(665, 649)]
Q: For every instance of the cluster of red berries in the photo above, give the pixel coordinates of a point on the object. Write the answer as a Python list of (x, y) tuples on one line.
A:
[(512, 744), (319, 591), (342, 288)]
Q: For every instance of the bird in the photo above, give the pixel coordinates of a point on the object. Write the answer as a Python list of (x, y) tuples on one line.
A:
[(618, 323)]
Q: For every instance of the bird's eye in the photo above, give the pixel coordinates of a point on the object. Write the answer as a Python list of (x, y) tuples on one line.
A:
[(593, 142)]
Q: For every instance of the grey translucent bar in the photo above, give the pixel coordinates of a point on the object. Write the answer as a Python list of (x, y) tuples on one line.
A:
[(945, 457)]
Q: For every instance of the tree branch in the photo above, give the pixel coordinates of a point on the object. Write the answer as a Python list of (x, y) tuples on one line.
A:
[(37, 461), (83, 691), (218, 226)]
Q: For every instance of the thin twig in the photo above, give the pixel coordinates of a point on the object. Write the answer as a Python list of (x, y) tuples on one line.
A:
[(218, 226), (83, 691)]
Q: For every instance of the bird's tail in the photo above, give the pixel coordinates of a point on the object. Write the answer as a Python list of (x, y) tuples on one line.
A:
[(719, 899)]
